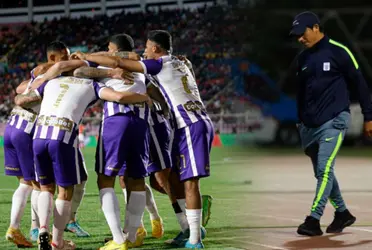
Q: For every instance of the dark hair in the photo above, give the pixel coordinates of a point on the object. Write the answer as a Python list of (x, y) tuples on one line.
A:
[(162, 38), (124, 42), (56, 46)]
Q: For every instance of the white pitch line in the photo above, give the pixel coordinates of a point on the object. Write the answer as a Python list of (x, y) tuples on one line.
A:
[(263, 245), (239, 239)]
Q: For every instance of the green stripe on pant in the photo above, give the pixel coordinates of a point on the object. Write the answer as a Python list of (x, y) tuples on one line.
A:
[(326, 172)]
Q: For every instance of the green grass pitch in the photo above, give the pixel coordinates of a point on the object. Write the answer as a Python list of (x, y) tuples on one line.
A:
[(230, 176)]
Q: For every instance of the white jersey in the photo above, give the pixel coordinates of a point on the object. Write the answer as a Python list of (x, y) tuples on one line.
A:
[(179, 89), (65, 100), (25, 119), (113, 108)]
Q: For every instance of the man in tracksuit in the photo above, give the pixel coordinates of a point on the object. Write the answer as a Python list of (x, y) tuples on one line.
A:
[(326, 70)]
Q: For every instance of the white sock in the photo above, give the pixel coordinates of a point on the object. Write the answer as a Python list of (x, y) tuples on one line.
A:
[(182, 221), (181, 217), (77, 197), (34, 209), (182, 203), (111, 210), (19, 202), (193, 217), (151, 204), (62, 212), (45, 206), (135, 209), (125, 195)]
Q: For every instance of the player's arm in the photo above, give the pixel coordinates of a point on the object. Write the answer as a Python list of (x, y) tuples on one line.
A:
[(22, 87), (124, 97), (40, 69), (155, 94), (122, 54), (57, 69), (151, 66), (28, 100), (91, 72)]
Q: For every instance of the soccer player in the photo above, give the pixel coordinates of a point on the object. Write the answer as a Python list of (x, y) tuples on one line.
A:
[(121, 45), (193, 134), (64, 101), (18, 153), (57, 51)]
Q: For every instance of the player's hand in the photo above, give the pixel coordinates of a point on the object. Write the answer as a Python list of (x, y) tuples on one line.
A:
[(117, 73), (368, 129), (121, 74), (181, 58), (134, 56), (149, 102), (78, 55)]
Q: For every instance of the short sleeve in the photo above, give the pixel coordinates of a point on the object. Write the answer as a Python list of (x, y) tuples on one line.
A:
[(40, 90), (152, 66), (97, 88), (32, 74), (91, 64)]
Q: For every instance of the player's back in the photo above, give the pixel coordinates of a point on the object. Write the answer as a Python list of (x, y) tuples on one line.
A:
[(65, 100), (181, 92), (138, 86)]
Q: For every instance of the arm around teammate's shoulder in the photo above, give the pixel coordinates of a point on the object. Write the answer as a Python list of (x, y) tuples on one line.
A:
[(124, 97)]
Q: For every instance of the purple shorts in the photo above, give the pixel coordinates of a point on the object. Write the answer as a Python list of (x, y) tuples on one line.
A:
[(191, 148), (124, 138), (160, 147), (58, 162), (18, 155)]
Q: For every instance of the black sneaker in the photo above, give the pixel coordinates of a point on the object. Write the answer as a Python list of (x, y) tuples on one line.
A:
[(341, 220), (44, 241), (311, 227)]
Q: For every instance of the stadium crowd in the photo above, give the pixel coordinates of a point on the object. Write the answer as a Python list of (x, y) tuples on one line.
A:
[(194, 34)]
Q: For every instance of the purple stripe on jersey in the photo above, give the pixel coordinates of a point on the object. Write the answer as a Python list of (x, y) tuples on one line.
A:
[(97, 87), (49, 132), (166, 95), (37, 132), (184, 114), (116, 108), (24, 123), (41, 88), (197, 115), (60, 136), (32, 75)]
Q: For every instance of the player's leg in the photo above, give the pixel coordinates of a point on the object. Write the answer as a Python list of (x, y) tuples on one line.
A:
[(109, 160), (137, 145), (73, 225), (12, 139), (68, 174), (35, 225), (195, 142), (122, 182), (44, 170)]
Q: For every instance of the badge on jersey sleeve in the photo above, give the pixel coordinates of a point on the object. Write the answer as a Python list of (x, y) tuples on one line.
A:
[(326, 66)]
